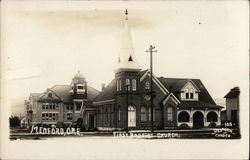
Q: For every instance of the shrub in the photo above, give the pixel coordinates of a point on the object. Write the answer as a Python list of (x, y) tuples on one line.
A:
[(14, 121), (184, 126), (212, 125), (82, 128)]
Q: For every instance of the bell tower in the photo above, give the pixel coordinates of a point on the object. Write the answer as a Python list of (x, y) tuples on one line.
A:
[(78, 92), (127, 78), (78, 87)]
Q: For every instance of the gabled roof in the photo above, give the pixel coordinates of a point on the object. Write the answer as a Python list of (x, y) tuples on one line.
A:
[(204, 96), (92, 93), (62, 91), (155, 80), (44, 96), (171, 95), (190, 81), (108, 92), (142, 72), (234, 93), (174, 85)]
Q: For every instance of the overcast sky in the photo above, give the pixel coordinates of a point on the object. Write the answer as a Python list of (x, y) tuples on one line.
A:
[(46, 43)]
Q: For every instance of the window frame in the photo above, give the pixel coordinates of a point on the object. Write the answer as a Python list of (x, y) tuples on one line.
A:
[(170, 118), (133, 84), (149, 113), (143, 114), (127, 84), (117, 85), (147, 85), (120, 84), (49, 95), (119, 113), (69, 116)]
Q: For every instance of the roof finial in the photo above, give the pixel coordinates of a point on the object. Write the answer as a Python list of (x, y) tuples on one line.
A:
[(126, 13)]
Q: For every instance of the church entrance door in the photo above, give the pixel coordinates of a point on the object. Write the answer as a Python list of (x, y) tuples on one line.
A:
[(198, 120), (131, 116)]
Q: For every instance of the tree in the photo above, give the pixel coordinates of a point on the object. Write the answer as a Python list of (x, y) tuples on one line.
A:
[(14, 121)]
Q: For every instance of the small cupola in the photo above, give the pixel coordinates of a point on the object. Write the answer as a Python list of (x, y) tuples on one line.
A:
[(78, 86)]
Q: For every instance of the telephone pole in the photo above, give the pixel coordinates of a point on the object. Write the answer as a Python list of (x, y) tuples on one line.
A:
[(126, 88), (151, 50)]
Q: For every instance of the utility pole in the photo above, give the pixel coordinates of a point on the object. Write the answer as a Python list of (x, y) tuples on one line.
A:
[(151, 50), (126, 88)]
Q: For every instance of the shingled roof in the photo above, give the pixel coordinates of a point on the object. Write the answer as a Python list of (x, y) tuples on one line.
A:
[(108, 92), (173, 85), (63, 92), (197, 104), (234, 93)]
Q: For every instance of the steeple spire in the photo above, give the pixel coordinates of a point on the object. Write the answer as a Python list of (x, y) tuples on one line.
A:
[(127, 59), (126, 13)]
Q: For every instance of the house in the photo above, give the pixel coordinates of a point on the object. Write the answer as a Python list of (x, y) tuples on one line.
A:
[(125, 102), (231, 113)]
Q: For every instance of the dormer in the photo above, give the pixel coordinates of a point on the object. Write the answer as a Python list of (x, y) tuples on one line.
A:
[(190, 92)]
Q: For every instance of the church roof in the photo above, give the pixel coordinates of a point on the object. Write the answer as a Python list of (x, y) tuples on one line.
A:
[(175, 85), (108, 92), (197, 104), (171, 84)]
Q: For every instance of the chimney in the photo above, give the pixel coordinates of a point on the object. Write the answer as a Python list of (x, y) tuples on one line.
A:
[(103, 86)]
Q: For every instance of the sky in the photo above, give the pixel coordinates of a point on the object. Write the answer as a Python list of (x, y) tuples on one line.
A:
[(45, 44)]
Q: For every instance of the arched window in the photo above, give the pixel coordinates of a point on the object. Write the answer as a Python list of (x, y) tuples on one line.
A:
[(127, 84), (143, 114), (183, 117), (117, 85), (50, 95), (187, 93), (149, 114), (147, 85), (120, 84), (131, 108), (212, 117), (133, 84), (170, 113), (119, 113), (106, 115), (191, 94)]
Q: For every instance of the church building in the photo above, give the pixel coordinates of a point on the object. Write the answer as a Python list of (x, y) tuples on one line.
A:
[(125, 102), (178, 102)]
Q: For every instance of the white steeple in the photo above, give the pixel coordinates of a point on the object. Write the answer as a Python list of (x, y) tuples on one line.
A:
[(127, 59)]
